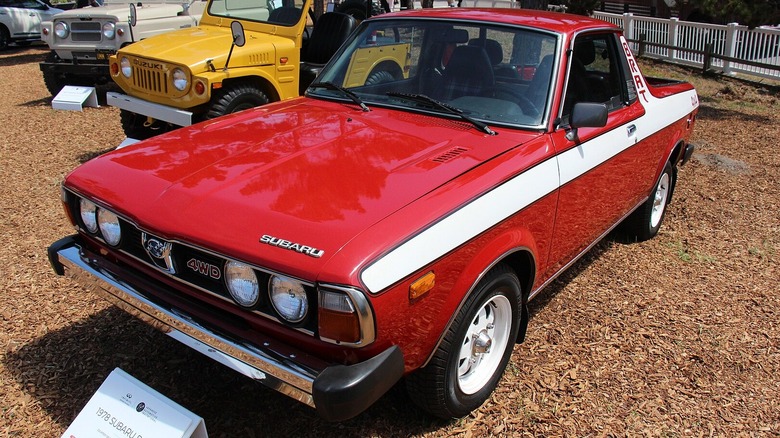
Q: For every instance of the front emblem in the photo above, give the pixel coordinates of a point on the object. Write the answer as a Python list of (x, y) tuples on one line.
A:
[(292, 246), (159, 251)]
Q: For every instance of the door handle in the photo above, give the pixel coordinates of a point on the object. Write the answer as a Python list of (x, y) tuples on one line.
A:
[(631, 130)]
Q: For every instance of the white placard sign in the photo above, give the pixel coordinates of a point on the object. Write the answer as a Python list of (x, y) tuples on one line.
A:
[(73, 98), (124, 407)]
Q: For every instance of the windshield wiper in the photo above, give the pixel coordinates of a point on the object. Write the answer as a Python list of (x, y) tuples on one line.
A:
[(348, 93), (441, 105)]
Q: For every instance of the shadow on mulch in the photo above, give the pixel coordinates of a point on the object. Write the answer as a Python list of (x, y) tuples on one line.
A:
[(62, 370), (83, 158), (551, 291), (15, 56), (707, 111)]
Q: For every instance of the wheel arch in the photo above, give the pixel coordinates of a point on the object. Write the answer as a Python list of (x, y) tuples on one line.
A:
[(520, 259), (387, 64), (675, 157), (260, 82)]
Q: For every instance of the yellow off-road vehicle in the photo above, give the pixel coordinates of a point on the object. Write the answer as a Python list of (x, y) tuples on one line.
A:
[(243, 53)]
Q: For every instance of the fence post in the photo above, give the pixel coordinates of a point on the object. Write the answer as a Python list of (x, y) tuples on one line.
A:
[(707, 58), (642, 38), (731, 46), (672, 41)]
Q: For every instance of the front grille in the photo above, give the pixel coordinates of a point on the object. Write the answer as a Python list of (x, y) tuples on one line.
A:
[(198, 268), (86, 31), (153, 81)]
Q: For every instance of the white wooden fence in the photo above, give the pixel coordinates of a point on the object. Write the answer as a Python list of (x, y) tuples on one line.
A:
[(732, 48)]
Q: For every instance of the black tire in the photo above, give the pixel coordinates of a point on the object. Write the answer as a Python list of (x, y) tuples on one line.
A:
[(5, 37), (54, 82), (644, 223), (137, 126), (452, 385), (380, 77), (357, 9), (236, 98)]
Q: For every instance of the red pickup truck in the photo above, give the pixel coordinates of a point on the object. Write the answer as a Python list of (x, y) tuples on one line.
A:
[(387, 227)]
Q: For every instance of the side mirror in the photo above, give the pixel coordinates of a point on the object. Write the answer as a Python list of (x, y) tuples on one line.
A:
[(239, 39), (133, 15), (586, 115), (237, 30)]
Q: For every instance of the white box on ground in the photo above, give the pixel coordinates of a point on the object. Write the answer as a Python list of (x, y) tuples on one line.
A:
[(125, 407), (73, 98)]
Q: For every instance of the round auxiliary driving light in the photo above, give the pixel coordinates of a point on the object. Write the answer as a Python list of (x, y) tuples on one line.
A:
[(242, 283)]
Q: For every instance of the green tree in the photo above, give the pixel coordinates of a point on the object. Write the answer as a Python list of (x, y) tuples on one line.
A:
[(749, 12), (582, 7)]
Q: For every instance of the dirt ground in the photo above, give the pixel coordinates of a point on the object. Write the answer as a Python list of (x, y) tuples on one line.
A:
[(678, 336)]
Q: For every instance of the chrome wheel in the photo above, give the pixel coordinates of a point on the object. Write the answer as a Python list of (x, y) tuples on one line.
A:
[(472, 356), (483, 346), (659, 200)]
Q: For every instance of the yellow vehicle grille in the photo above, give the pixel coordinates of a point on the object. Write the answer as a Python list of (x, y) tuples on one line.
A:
[(150, 80)]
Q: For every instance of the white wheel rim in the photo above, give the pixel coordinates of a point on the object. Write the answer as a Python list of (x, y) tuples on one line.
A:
[(659, 200), (484, 344)]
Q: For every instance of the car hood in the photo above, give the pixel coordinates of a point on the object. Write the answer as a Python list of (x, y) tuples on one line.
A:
[(121, 12), (186, 47), (309, 172)]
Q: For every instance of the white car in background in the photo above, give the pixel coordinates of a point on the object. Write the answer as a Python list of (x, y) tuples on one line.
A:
[(20, 20)]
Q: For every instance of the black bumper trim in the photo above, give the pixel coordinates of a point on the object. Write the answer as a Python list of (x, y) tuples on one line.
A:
[(342, 392), (77, 69)]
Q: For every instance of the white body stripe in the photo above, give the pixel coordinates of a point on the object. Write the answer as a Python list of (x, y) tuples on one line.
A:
[(463, 225), (518, 193)]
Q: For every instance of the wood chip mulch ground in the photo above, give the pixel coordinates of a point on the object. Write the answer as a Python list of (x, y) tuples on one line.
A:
[(678, 336)]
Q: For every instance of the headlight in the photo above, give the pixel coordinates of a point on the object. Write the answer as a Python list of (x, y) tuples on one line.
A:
[(288, 298), (109, 30), (61, 30), (88, 211), (124, 64), (242, 283), (109, 227), (180, 79)]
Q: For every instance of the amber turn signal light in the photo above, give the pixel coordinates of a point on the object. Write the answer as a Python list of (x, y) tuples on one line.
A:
[(422, 286)]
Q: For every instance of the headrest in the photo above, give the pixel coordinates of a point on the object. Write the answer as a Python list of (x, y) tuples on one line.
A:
[(455, 36), (585, 51), (493, 49)]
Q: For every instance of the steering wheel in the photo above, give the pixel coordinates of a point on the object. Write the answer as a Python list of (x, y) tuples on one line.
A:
[(520, 99)]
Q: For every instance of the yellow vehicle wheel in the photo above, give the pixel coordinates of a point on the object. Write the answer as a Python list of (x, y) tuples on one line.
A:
[(236, 98)]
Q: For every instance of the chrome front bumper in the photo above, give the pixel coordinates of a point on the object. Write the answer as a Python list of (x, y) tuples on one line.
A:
[(149, 109), (337, 392)]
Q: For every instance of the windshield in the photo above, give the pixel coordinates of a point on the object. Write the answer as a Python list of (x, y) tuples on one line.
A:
[(497, 74), (279, 12)]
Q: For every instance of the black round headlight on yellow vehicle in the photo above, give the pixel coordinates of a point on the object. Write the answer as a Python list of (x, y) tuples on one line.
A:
[(108, 223), (288, 296), (242, 283)]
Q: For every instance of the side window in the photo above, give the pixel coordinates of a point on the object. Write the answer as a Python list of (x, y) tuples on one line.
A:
[(596, 73)]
